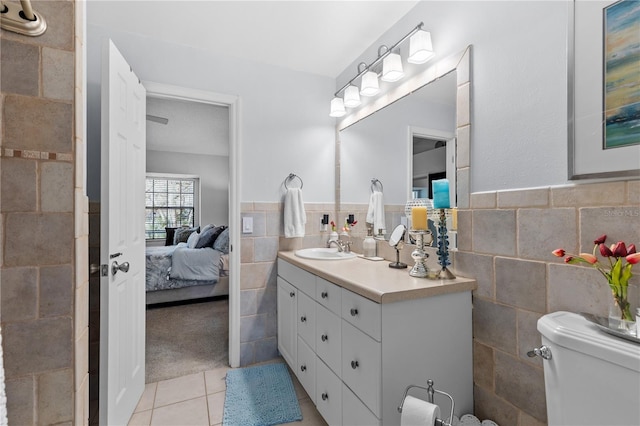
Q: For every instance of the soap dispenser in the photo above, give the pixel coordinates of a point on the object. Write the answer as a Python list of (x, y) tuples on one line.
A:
[(369, 244)]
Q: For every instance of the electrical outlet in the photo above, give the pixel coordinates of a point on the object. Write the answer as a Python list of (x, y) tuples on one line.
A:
[(247, 225)]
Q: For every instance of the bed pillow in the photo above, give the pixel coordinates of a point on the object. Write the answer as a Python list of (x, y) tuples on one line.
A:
[(182, 234), (222, 242), (211, 225), (171, 232), (209, 236), (193, 239)]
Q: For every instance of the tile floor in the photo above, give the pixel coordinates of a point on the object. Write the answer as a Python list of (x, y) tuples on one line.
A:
[(198, 399)]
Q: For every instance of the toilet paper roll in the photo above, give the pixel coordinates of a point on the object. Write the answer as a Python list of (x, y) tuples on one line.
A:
[(417, 412)]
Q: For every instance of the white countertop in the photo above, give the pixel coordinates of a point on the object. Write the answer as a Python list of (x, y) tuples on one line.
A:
[(376, 281)]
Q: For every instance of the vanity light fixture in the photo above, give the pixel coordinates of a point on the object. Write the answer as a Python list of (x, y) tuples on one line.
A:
[(337, 107), (420, 47), (420, 51), (352, 97)]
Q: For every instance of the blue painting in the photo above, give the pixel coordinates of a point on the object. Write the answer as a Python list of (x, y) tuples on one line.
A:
[(622, 74)]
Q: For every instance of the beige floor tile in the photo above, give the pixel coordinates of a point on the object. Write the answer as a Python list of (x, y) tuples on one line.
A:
[(147, 398), (141, 418), (216, 407), (179, 389), (192, 412), (215, 380)]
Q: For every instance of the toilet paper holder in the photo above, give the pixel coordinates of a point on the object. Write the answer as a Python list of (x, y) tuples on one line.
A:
[(430, 393)]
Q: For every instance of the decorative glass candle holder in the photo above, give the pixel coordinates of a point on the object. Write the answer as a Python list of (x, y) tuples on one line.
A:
[(419, 256)]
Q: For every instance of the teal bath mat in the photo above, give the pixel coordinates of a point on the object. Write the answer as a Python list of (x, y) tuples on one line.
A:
[(260, 396)]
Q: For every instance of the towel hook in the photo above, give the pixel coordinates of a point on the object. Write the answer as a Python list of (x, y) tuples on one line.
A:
[(290, 178), (375, 183)]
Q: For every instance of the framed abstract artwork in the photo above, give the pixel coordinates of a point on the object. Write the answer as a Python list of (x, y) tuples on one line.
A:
[(604, 89)]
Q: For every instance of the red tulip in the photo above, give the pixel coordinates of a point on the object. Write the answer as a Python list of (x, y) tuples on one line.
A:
[(631, 249), (558, 252), (605, 251), (600, 240), (619, 249), (633, 258), (588, 257), (568, 259)]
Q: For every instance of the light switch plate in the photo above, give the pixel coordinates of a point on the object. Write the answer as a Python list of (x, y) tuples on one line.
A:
[(247, 225)]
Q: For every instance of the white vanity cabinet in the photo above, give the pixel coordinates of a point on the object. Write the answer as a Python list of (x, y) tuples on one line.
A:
[(357, 361)]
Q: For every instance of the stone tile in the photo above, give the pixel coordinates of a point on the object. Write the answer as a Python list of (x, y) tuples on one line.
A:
[(463, 182), (495, 325), (148, 398), (271, 324), (275, 223), (618, 223), (141, 418), (191, 412), (246, 250), (528, 335), (215, 380), (479, 267), (19, 184), (56, 187), (527, 420), (55, 397), (521, 384), (289, 244), (20, 402), (257, 275), (60, 23), (252, 328), (521, 283), (266, 300), (494, 232), (488, 406), (483, 200), (266, 349), (483, 365), (246, 207), (42, 239), (540, 231), (633, 192), (247, 353), (463, 145), (179, 389), (81, 364), (58, 74), (465, 230), (463, 102), (265, 249), (216, 407), (577, 289), (248, 304), (598, 194), (56, 291), (538, 197), (37, 124), (33, 347), (19, 294), (20, 68)]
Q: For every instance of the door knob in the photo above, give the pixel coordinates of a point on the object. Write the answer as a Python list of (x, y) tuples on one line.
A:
[(115, 267)]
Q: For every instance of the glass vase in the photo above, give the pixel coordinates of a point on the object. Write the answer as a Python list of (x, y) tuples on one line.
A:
[(620, 317)]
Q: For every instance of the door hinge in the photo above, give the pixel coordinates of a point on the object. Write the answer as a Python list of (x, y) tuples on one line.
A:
[(104, 271), (230, 247)]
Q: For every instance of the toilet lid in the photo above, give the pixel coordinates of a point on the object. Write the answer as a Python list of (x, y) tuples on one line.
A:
[(574, 332)]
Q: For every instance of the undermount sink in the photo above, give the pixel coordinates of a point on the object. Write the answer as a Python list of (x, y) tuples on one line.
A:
[(322, 253)]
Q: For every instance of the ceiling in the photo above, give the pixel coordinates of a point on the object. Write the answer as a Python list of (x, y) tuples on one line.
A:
[(319, 37)]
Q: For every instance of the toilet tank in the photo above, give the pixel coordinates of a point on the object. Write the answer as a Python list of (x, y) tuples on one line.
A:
[(592, 378)]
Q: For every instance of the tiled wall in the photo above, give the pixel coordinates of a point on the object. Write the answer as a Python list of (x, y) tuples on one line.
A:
[(505, 242), (44, 227)]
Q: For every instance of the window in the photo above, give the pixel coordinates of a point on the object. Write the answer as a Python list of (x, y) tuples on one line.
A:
[(170, 201)]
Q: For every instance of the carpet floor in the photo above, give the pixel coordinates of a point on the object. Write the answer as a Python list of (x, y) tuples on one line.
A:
[(186, 339)]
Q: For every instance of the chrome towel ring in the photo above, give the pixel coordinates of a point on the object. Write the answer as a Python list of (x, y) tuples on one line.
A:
[(291, 177)]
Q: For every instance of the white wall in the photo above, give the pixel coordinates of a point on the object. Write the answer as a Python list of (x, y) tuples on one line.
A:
[(519, 78), (213, 171), (285, 126)]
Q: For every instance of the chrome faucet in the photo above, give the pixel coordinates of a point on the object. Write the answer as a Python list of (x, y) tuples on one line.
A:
[(343, 246)]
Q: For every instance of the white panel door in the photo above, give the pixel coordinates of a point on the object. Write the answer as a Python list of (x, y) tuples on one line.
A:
[(122, 292)]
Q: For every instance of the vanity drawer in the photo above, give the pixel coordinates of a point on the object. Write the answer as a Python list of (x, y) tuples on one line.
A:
[(362, 312), (307, 319), (328, 295), (328, 394), (328, 337), (361, 366), (298, 277), (355, 413), (306, 369)]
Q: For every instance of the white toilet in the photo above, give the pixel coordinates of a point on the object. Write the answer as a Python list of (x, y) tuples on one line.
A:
[(591, 377)]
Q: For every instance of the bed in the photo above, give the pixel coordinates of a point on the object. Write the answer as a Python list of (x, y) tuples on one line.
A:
[(186, 271)]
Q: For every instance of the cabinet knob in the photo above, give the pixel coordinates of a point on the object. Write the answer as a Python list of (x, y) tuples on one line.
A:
[(303, 318), (303, 368), (292, 294), (324, 294), (354, 312), (354, 364), (324, 337), (325, 396)]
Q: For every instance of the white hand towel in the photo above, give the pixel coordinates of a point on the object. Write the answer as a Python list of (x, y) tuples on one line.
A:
[(375, 214), (294, 215)]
